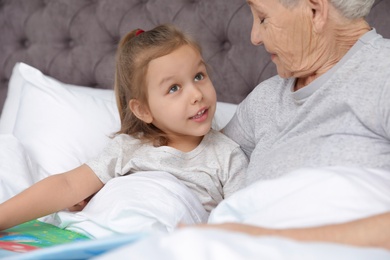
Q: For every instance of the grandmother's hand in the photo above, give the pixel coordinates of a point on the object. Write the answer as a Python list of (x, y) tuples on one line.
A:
[(234, 227)]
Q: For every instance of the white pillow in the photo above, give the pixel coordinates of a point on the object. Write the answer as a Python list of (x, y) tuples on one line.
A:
[(61, 126), (15, 167), (223, 114)]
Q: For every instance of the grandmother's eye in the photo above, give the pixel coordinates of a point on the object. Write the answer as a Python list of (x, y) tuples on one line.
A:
[(173, 89), (199, 76), (262, 20)]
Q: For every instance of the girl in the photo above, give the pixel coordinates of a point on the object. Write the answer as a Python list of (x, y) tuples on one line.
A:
[(166, 103)]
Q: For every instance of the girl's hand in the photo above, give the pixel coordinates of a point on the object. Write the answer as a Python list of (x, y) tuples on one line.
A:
[(81, 205)]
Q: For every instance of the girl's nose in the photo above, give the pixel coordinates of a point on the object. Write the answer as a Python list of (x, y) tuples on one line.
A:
[(196, 95)]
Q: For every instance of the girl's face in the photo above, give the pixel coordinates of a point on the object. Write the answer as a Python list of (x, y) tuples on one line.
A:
[(181, 96), (286, 34)]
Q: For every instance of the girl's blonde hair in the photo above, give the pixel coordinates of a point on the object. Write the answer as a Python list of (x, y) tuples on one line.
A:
[(134, 53)]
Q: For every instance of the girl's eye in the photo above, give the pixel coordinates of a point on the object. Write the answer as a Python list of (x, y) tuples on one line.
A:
[(173, 89), (199, 76)]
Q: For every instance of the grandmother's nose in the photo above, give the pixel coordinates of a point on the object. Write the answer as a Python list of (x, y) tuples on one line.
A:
[(256, 38)]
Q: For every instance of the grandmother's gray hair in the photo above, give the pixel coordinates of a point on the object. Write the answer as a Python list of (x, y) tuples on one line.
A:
[(350, 9)]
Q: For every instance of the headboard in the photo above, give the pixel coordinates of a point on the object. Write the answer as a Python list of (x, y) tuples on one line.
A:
[(74, 41)]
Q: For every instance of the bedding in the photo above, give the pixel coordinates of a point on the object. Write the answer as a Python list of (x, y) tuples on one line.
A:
[(15, 167), (72, 123), (309, 197), (195, 244), (145, 202), (306, 197)]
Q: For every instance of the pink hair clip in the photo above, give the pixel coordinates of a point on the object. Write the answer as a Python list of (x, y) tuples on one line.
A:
[(138, 32)]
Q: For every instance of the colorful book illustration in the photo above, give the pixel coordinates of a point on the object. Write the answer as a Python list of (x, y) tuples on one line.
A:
[(22, 242), (34, 235)]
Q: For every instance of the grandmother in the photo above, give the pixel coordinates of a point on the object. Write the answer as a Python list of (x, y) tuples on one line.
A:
[(328, 106)]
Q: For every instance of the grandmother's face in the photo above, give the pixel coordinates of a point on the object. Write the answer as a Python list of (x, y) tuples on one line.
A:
[(286, 34)]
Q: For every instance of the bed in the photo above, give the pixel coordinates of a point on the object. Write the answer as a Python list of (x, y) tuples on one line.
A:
[(58, 110)]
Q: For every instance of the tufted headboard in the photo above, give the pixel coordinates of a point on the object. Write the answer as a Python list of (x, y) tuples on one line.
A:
[(74, 41)]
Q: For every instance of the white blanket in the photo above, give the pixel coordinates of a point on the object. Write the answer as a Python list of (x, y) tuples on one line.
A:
[(309, 197), (201, 244), (145, 202), (306, 197)]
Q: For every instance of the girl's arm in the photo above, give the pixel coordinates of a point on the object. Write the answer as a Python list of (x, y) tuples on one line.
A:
[(50, 195)]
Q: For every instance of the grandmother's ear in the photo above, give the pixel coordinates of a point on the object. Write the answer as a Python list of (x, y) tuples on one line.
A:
[(140, 111), (320, 9)]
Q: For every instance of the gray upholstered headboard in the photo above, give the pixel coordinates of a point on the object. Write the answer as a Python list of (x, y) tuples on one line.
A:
[(75, 40)]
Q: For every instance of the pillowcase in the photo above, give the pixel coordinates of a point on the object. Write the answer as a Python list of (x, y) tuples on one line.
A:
[(15, 167), (223, 114), (61, 126)]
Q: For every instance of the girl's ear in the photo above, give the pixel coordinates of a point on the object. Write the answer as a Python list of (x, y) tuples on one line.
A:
[(319, 10), (140, 111)]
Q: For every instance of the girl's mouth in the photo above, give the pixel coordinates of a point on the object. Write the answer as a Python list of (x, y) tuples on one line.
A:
[(202, 113)]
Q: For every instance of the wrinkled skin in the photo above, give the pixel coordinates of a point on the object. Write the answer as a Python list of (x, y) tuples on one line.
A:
[(303, 42)]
